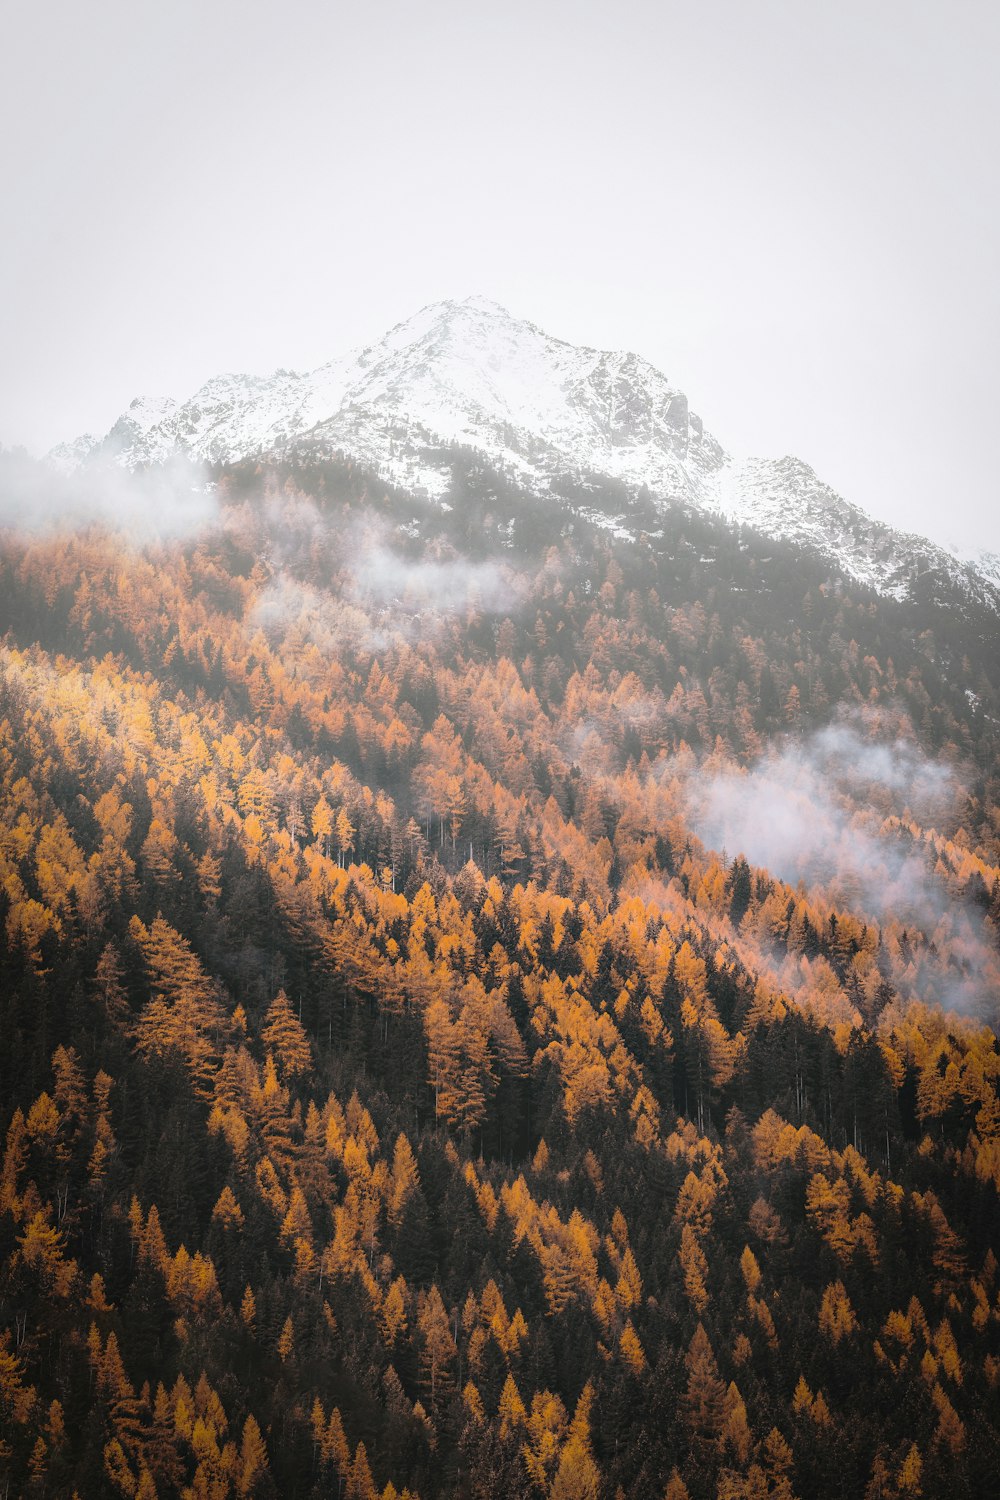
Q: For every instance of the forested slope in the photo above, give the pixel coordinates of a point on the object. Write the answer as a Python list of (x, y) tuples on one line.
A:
[(403, 1090)]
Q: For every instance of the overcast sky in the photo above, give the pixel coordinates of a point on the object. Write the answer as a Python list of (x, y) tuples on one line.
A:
[(789, 207)]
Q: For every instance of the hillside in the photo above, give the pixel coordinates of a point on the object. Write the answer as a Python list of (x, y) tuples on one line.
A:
[(499, 1000)]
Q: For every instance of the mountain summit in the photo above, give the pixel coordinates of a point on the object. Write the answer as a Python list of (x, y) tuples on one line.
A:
[(469, 374), (462, 373)]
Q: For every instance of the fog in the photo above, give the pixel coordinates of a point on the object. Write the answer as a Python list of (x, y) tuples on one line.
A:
[(442, 585), (814, 811), (362, 587), (172, 502), (825, 812), (288, 607)]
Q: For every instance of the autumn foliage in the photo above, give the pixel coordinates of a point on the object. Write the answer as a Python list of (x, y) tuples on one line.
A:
[(398, 1098)]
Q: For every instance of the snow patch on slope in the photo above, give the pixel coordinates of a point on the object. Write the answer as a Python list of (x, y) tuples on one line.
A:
[(467, 374)]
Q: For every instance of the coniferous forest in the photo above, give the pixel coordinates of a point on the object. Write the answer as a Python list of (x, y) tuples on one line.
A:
[(494, 1004)]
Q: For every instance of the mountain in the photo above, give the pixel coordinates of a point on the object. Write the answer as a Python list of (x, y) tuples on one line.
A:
[(500, 987), (541, 411)]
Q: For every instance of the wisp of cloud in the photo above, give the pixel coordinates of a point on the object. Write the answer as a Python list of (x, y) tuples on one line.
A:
[(812, 811), (171, 502)]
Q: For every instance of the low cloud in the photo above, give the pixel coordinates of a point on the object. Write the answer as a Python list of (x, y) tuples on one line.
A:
[(377, 595), (439, 585), (171, 502), (813, 811), (816, 812), (335, 573), (288, 610)]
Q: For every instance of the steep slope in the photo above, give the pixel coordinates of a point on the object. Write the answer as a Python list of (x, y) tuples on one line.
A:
[(785, 498), (399, 1097), (467, 374)]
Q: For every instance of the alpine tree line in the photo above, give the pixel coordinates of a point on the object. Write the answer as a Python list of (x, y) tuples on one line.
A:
[(399, 1099)]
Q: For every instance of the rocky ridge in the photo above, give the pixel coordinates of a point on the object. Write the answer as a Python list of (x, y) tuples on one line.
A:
[(541, 410)]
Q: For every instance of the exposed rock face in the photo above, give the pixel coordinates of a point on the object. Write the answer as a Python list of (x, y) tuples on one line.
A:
[(469, 374)]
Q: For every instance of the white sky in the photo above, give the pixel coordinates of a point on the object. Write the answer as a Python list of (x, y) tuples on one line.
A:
[(789, 206)]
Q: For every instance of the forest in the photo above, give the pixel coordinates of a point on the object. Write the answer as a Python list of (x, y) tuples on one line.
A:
[(499, 1000)]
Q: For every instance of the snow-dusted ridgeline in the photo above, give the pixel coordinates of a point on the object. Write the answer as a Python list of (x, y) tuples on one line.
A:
[(470, 374)]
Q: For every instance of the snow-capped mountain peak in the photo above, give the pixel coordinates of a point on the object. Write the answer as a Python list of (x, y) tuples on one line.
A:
[(455, 373), (467, 373)]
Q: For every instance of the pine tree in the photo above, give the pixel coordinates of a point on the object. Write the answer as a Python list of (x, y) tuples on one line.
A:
[(704, 1402), (284, 1035), (322, 823), (252, 1472), (578, 1477), (405, 1180), (437, 1348)]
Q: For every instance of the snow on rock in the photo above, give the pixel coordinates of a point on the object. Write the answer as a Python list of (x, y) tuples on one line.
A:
[(463, 373), (469, 374), (69, 456), (784, 498)]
